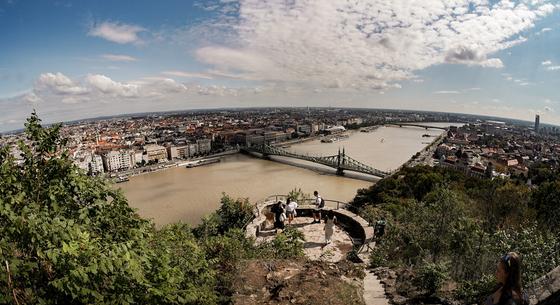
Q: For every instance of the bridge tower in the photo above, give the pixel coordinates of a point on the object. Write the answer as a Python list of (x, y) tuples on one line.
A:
[(340, 161), (265, 154)]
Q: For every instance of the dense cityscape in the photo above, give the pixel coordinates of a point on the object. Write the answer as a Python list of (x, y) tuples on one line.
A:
[(120, 146)]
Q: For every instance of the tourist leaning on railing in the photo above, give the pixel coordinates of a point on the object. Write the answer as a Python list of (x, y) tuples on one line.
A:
[(508, 275)]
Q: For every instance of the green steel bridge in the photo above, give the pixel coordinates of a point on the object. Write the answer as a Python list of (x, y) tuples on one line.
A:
[(418, 125), (341, 162)]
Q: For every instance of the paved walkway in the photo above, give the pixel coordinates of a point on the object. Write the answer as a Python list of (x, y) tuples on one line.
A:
[(315, 247), (374, 292)]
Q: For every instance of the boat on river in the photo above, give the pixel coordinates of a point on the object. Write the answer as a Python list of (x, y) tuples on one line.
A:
[(202, 162), (121, 179)]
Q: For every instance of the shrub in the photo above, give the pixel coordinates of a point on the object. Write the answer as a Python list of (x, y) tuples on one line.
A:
[(430, 276)]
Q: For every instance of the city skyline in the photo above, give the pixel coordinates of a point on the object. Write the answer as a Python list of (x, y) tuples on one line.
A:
[(73, 60)]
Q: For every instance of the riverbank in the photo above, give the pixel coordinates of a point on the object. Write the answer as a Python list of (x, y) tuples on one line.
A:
[(171, 164), (424, 157)]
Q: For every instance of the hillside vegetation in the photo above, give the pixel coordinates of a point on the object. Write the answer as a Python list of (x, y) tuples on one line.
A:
[(446, 231)]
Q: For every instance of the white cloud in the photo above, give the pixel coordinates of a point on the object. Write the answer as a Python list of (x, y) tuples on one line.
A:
[(362, 44), (468, 56), (117, 32), (546, 30), (31, 98), (106, 85), (548, 109), (98, 87), (446, 92), (546, 63), (186, 74), (159, 87), (117, 57), (59, 83), (75, 99), (553, 68)]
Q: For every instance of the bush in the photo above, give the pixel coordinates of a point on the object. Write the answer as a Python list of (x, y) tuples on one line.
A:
[(377, 258), (288, 244), (477, 290), (431, 276)]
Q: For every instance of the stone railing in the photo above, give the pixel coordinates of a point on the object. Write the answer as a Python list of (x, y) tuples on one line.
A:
[(357, 228)]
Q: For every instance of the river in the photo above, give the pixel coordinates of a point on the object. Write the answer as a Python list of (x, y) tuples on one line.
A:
[(187, 194)]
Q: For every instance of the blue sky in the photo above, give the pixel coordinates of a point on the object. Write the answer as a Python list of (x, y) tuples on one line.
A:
[(79, 59)]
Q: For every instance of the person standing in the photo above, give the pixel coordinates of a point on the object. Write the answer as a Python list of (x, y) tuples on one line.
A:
[(379, 229), (279, 215), (508, 276), (319, 204), (329, 226), (291, 207)]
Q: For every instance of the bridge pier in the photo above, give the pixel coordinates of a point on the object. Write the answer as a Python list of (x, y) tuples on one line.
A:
[(339, 172)]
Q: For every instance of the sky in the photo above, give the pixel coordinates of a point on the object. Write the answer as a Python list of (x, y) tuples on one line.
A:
[(80, 59)]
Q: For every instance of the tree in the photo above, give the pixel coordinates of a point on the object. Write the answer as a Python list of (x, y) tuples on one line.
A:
[(66, 238), (546, 201)]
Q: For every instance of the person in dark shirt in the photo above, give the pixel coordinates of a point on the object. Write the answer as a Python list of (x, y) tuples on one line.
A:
[(379, 229), (279, 215), (508, 275)]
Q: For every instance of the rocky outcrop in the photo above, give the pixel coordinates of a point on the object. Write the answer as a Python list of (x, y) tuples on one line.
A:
[(546, 290), (292, 282)]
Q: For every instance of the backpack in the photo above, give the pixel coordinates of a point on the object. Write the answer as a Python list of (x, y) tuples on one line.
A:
[(322, 204)]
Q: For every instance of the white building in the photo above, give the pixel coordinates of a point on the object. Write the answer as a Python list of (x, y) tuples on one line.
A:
[(118, 160), (139, 156), (96, 164), (155, 152)]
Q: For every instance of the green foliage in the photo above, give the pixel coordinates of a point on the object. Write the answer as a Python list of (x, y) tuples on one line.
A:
[(298, 195), (187, 259), (541, 172), (431, 276), (546, 202), (287, 244), (232, 214), (377, 258), (476, 291), (71, 239), (439, 216)]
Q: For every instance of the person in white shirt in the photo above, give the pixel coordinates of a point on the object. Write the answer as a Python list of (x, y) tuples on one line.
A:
[(319, 204), (329, 226), (291, 206)]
